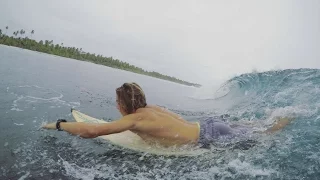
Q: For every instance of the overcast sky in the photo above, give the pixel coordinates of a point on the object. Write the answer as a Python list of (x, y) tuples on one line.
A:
[(200, 41)]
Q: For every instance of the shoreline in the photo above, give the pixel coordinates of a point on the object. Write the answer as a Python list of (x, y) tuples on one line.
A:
[(47, 47)]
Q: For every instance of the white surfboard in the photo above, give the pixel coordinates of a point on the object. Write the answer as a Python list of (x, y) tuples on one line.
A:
[(130, 140)]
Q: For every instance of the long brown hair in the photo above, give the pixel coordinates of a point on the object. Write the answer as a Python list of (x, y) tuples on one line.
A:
[(131, 97)]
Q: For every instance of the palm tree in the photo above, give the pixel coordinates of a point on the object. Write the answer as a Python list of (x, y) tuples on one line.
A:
[(32, 32), (21, 31), (7, 29), (0, 32)]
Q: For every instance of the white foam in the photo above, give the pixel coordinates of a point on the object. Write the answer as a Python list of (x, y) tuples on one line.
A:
[(100, 171), (6, 144), (30, 101), (18, 124), (24, 176), (16, 109), (291, 111), (53, 170), (17, 150), (246, 168), (56, 100), (4, 172), (15, 104)]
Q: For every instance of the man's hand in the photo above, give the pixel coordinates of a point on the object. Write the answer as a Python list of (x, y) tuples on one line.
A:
[(50, 126)]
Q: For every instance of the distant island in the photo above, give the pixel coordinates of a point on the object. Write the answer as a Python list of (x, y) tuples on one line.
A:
[(19, 39)]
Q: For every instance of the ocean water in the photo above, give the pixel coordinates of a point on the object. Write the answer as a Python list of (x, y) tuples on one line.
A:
[(36, 88)]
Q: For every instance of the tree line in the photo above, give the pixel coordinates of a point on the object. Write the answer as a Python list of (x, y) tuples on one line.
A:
[(21, 40)]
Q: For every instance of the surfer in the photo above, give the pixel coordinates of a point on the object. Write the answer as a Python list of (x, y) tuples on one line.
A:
[(156, 124)]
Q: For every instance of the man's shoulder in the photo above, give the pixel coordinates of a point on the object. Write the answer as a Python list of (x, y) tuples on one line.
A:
[(144, 111), (148, 108), (148, 112), (151, 106)]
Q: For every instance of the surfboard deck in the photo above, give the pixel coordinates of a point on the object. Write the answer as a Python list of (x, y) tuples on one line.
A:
[(130, 140)]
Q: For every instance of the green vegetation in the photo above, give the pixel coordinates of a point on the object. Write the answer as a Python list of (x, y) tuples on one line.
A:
[(19, 39)]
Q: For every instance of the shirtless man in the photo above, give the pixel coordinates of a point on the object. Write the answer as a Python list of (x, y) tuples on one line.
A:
[(153, 123)]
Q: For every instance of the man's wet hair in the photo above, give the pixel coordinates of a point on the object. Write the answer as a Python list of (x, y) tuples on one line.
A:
[(131, 97)]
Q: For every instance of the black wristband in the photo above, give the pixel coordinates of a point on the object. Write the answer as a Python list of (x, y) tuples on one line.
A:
[(58, 123)]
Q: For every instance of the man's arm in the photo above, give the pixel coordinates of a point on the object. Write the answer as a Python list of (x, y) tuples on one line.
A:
[(92, 130)]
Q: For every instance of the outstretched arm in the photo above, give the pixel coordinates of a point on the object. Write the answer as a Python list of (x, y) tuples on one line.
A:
[(91, 130)]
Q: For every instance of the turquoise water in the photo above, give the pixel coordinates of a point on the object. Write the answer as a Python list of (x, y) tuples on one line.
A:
[(36, 88)]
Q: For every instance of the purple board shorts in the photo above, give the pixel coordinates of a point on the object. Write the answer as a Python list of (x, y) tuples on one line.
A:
[(214, 129)]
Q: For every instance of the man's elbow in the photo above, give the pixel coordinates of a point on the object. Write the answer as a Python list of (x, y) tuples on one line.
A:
[(90, 134)]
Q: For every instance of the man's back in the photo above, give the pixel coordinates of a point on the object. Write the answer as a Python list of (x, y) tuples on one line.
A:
[(159, 125)]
